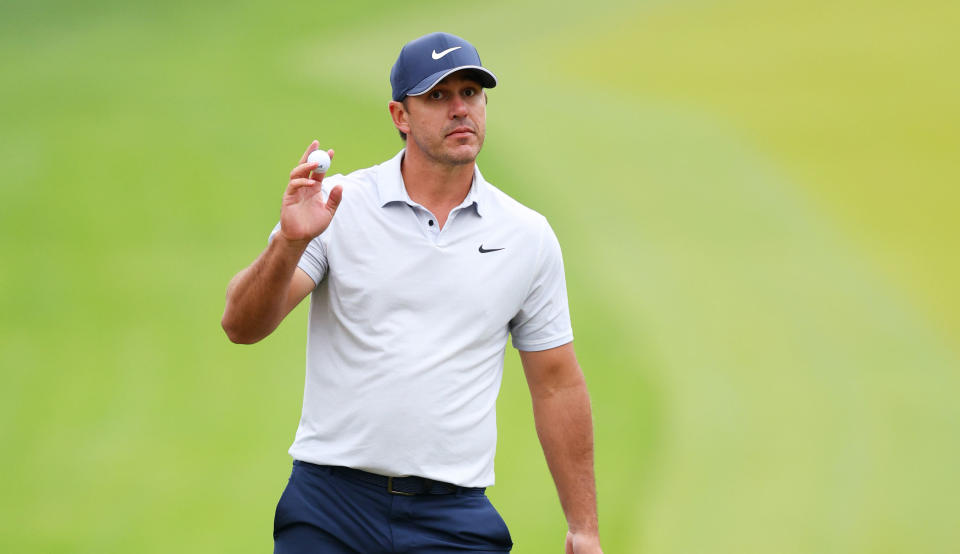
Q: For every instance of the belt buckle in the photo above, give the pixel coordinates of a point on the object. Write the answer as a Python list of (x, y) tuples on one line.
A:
[(391, 491)]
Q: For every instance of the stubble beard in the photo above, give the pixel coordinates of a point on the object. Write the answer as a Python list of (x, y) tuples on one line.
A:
[(437, 153)]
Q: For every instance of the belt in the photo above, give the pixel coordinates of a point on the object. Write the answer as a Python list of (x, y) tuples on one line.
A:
[(403, 486)]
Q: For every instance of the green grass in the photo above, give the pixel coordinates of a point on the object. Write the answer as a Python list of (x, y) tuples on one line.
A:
[(755, 202)]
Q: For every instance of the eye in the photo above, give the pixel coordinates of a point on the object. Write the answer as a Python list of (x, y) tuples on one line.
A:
[(470, 92), (436, 95)]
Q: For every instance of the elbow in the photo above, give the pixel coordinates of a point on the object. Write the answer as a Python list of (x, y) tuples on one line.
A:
[(236, 333)]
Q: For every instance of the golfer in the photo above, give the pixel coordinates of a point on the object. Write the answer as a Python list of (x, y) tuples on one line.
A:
[(418, 269)]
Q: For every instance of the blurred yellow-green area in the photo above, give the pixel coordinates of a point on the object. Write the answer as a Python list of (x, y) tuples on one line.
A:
[(757, 203)]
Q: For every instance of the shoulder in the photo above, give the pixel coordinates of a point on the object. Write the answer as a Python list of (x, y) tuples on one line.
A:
[(509, 211)]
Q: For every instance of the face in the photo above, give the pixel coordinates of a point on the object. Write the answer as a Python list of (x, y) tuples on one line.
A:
[(448, 122)]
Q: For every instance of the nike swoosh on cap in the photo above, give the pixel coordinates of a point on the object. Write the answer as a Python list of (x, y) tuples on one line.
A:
[(444, 53)]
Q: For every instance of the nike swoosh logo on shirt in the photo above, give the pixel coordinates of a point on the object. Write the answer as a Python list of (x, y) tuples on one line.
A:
[(444, 53), (485, 250)]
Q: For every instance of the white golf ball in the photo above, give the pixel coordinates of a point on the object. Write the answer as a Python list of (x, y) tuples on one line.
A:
[(320, 157)]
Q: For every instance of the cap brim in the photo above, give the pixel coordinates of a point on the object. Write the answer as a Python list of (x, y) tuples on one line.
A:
[(487, 79)]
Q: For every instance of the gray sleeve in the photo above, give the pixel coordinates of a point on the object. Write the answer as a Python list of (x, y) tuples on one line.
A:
[(314, 259), (543, 321)]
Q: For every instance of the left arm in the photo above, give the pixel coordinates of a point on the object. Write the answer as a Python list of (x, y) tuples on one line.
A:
[(561, 411)]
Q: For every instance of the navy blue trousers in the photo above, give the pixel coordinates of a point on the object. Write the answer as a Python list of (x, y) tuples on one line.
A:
[(325, 511)]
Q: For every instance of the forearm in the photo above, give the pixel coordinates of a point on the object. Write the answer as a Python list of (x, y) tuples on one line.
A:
[(256, 297), (565, 427)]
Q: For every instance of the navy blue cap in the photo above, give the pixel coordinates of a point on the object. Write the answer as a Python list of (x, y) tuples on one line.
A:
[(425, 61)]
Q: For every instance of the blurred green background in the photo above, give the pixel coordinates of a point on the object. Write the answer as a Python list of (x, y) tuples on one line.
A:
[(757, 203)]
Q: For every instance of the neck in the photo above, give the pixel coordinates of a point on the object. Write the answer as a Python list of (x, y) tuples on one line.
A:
[(436, 186)]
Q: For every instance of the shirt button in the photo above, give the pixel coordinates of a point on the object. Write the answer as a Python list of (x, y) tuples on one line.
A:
[(430, 223)]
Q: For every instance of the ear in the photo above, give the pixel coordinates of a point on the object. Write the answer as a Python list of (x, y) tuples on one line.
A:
[(400, 116)]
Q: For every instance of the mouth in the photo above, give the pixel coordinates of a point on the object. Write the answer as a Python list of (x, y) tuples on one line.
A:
[(461, 132)]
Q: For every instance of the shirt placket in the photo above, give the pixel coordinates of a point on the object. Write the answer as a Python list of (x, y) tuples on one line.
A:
[(427, 222)]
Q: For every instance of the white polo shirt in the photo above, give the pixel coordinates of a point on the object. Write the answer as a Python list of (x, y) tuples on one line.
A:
[(408, 326)]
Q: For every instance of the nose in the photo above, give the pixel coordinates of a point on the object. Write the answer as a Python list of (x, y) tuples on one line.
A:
[(458, 108)]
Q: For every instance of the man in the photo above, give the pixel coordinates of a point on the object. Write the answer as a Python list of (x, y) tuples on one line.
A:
[(418, 269)]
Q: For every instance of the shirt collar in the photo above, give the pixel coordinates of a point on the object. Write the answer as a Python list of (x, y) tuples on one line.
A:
[(391, 189)]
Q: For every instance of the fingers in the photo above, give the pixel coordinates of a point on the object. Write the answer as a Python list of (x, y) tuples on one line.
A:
[(333, 200), (303, 170), (300, 183), (315, 145)]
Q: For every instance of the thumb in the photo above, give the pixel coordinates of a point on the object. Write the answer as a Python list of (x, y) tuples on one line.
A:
[(333, 201)]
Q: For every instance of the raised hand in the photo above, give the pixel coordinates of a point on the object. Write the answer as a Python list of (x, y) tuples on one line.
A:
[(304, 214)]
